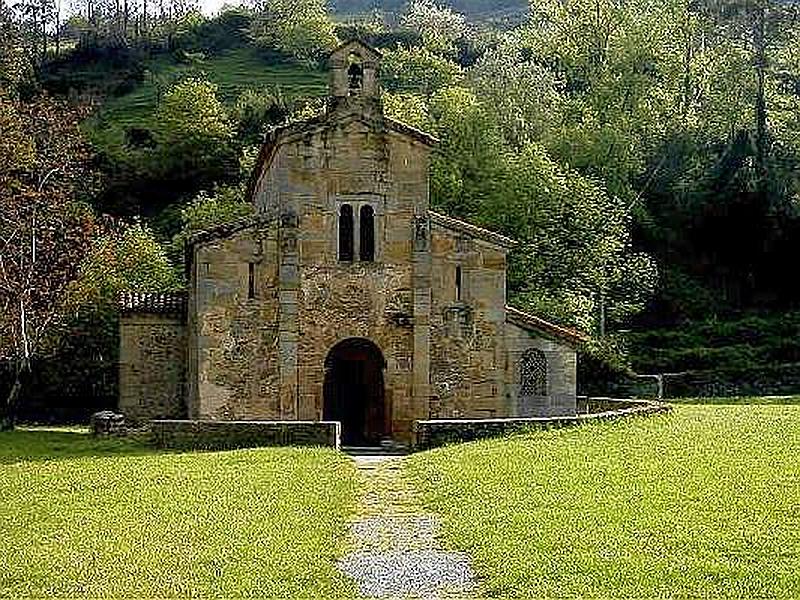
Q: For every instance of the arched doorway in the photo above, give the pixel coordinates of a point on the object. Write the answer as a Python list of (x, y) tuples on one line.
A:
[(354, 393)]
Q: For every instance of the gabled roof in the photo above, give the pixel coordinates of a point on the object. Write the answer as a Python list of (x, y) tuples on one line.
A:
[(225, 229), (412, 132), (539, 325), (277, 135), (471, 230), (358, 46)]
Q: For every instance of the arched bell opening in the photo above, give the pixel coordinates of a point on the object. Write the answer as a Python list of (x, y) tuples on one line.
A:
[(355, 75)]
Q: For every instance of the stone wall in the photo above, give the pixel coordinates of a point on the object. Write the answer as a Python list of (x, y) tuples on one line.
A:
[(227, 435), (434, 433), (233, 336), (152, 366), (561, 360), (322, 300), (467, 326), (264, 357)]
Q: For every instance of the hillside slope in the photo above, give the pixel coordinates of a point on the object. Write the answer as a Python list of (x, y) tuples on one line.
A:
[(234, 71)]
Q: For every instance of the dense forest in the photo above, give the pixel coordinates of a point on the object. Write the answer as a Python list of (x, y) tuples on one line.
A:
[(645, 153)]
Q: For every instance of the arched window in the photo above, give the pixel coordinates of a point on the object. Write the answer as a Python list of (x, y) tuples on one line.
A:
[(355, 75), (533, 373), (346, 233), (366, 246)]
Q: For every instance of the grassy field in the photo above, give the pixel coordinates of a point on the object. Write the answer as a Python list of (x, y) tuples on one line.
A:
[(82, 517), (739, 400), (234, 71), (701, 502)]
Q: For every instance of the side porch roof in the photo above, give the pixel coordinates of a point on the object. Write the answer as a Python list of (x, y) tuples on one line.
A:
[(536, 324), (471, 230)]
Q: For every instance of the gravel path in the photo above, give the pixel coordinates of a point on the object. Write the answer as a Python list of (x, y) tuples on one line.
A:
[(396, 550)]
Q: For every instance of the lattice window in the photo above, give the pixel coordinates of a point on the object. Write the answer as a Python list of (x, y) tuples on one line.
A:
[(533, 373)]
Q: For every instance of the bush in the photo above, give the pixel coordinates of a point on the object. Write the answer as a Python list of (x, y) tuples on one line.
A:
[(749, 341), (207, 210), (255, 110), (227, 30)]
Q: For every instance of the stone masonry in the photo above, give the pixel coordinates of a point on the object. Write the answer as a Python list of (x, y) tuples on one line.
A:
[(343, 262)]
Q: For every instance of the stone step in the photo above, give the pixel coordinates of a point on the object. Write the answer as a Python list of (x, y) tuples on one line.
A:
[(374, 450)]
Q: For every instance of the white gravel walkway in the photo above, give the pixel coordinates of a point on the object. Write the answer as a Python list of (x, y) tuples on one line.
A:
[(396, 550)]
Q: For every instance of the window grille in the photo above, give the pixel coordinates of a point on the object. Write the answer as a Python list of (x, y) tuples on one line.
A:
[(533, 373)]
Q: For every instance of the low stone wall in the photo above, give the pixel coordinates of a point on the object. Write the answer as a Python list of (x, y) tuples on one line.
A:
[(227, 435), (434, 433)]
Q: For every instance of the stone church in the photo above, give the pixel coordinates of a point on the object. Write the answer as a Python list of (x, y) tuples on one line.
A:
[(344, 297)]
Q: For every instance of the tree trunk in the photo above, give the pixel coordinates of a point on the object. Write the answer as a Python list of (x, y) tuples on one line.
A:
[(125, 19), (58, 28), (687, 64), (761, 105), (8, 410), (143, 32)]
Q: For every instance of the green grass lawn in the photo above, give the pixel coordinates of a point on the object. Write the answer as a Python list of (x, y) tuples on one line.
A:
[(704, 501), (739, 400), (86, 517), (234, 71)]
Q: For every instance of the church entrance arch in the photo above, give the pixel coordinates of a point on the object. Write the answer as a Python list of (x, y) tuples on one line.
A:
[(354, 392)]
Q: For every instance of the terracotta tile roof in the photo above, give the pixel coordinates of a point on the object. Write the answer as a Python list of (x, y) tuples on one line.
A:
[(472, 230), (400, 127), (162, 303), (225, 229), (534, 323)]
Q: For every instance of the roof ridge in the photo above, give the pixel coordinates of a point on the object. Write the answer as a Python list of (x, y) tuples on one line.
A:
[(459, 225), (539, 324), (225, 229)]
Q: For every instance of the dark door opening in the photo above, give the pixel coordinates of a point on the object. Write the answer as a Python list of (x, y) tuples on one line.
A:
[(354, 393)]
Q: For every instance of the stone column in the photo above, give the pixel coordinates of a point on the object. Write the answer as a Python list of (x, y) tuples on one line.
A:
[(421, 280), (288, 337)]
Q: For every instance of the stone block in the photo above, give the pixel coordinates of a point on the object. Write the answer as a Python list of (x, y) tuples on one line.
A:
[(227, 435), (107, 422)]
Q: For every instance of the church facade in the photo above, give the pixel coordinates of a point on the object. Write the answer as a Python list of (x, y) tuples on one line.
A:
[(344, 297)]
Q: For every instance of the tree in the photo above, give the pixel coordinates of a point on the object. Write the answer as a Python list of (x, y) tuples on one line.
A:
[(439, 27), (411, 109), (207, 210), (191, 114), (417, 70), (16, 64), (298, 28), (575, 262), (194, 135), (125, 257), (526, 97), (255, 110), (45, 231)]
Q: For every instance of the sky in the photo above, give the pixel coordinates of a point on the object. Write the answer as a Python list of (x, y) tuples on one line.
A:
[(211, 7)]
